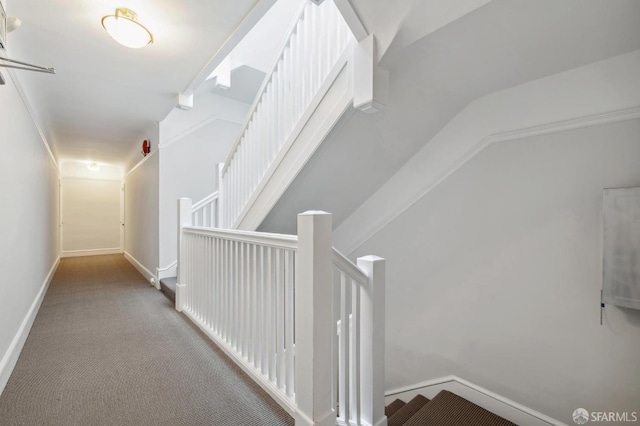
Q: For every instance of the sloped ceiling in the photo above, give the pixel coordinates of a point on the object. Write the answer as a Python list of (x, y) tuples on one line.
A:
[(105, 98), (499, 45)]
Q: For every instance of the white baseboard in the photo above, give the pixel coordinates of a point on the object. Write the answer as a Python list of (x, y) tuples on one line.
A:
[(504, 407), (10, 357), (92, 252), (144, 271)]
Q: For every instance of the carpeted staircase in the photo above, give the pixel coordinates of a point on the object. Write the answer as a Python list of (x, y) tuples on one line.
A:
[(168, 287), (445, 409)]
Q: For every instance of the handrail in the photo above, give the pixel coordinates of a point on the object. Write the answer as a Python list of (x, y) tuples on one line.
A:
[(273, 240), (264, 85), (206, 200), (344, 264)]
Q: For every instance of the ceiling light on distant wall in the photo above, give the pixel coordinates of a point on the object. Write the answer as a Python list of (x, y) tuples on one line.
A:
[(126, 30), (94, 167)]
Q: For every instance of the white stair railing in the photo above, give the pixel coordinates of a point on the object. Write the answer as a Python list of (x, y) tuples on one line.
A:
[(205, 212), (279, 306), (317, 41)]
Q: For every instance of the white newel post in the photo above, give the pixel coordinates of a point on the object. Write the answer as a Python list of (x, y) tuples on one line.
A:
[(184, 219), (372, 323), (220, 212), (315, 330)]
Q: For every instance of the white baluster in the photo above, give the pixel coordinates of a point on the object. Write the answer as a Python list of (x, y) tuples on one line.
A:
[(263, 311), (215, 298), (225, 290), (337, 368), (269, 317), (354, 335), (253, 307), (221, 197), (293, 70), (212, 282), (236, 294), (345, 299), (280, 309), (276, 114), (286, 94), (289, 321), (309, 27), (242, 289), (252, 154)]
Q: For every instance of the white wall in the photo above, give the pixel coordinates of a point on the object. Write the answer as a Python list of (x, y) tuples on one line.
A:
[(495, 275), (91, 209), (141, 215), (599, 92), (90, 216), (189, 169), (29, 241)]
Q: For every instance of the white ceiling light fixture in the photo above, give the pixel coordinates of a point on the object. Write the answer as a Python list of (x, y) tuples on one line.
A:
[(13, 23), (94, 167), (124, 28)]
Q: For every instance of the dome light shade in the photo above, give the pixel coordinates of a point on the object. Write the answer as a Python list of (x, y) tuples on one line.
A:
[(124, 28)]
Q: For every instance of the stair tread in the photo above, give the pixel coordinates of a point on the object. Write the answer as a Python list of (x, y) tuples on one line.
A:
[(169, 281), (168, 287), (449, 409), (393, 407), (407, 411)]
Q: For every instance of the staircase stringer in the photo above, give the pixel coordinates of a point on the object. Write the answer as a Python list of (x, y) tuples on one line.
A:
[(329, 105)]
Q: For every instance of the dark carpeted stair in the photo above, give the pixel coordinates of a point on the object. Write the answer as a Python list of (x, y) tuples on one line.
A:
[(391, 409), (407, 411), (168, 287), (446, 409)]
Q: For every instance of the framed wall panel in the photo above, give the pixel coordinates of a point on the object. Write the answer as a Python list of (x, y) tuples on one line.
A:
[(621, 247)]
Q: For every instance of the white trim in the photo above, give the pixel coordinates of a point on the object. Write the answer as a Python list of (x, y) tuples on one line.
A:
[(144, 271), (205, 201), (10, 357), (512, 135), (283, 241), (27, 104), (141, 162), (352, 19), (90, 178), (168, 271), (485, 398), (91, 252)]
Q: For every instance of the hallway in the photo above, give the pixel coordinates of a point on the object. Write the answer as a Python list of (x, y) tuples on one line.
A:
[(108, 349)]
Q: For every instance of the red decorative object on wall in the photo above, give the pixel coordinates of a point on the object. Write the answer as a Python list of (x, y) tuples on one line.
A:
[(146, 147)]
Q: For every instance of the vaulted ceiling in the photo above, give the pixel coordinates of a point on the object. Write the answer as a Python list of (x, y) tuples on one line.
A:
[(105, 98)]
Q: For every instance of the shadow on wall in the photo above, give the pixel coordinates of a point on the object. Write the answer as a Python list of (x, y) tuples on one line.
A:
[(632, 316)]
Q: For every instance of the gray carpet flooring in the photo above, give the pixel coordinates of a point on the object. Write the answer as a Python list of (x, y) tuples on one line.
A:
[(108, 349)]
